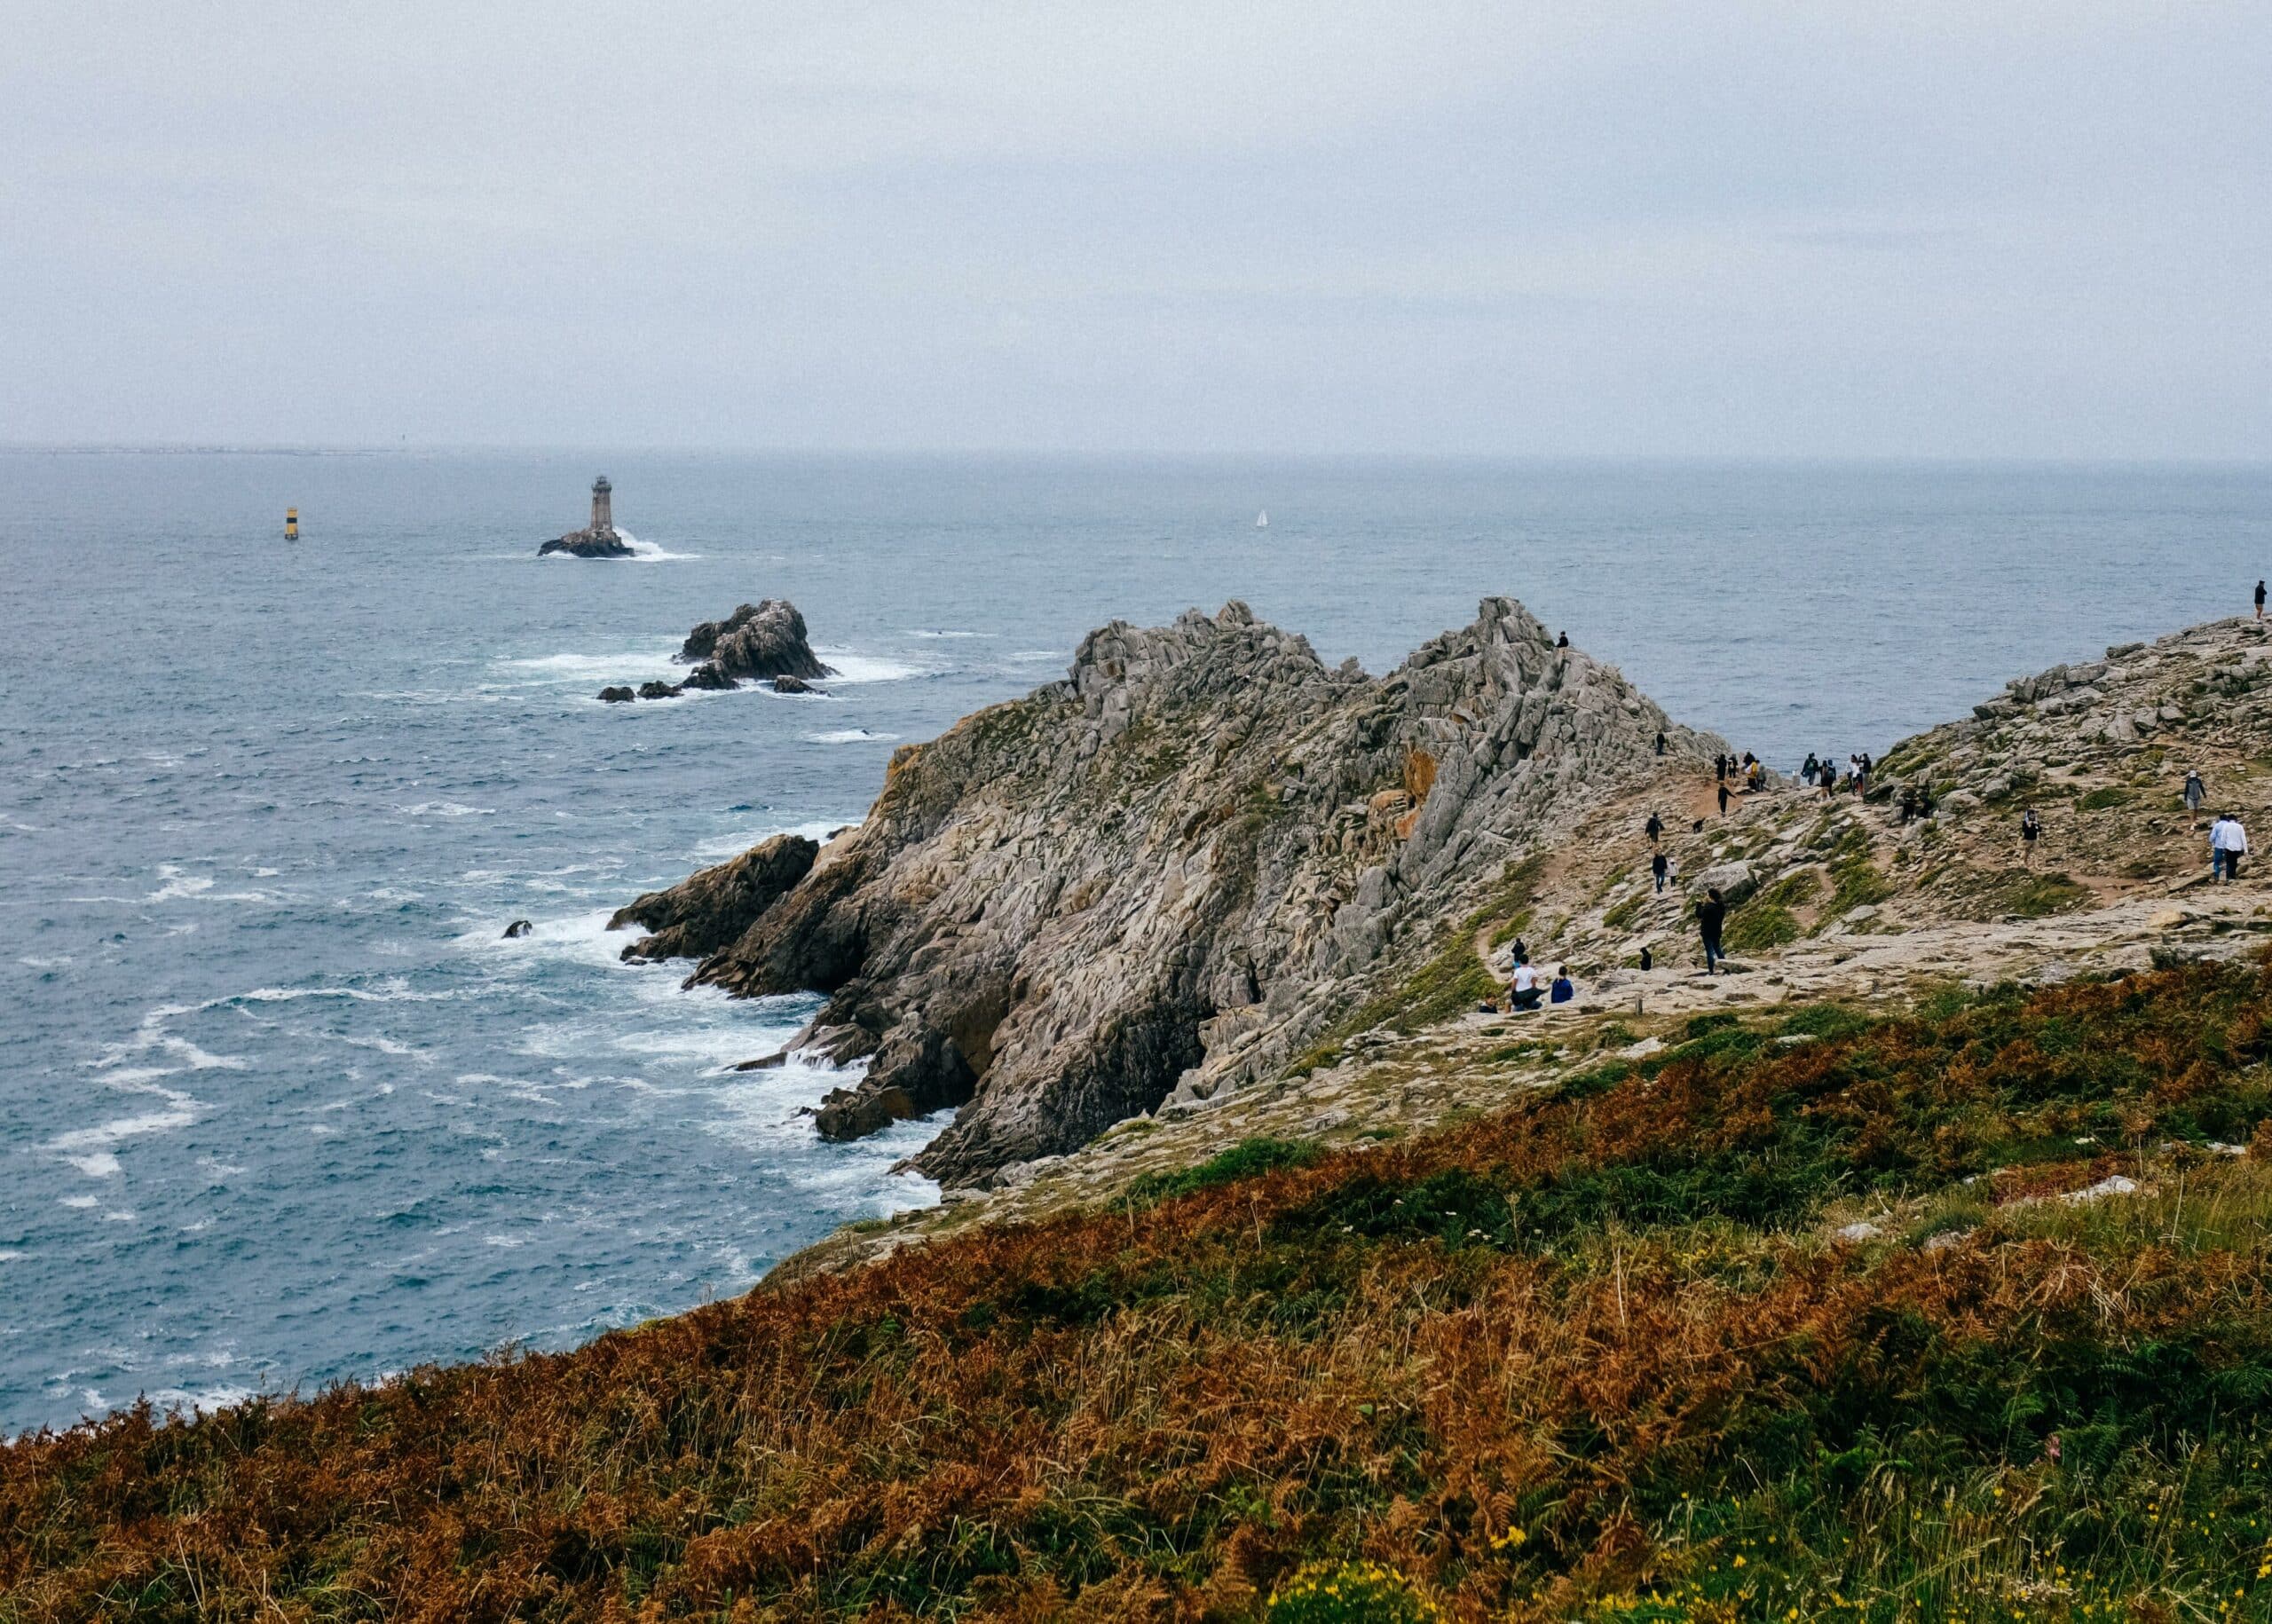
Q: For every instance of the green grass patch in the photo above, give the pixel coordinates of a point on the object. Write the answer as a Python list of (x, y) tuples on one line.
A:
[(1247, 1159)]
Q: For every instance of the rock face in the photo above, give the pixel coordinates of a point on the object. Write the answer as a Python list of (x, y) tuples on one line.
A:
[(711, 910), (1172, 870), (762, 641)]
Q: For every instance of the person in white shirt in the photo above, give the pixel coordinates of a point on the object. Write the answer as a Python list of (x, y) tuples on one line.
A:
[(1526, 994), (2227, 845)]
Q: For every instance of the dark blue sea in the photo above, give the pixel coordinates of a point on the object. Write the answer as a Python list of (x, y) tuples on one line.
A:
[(281, 1103)]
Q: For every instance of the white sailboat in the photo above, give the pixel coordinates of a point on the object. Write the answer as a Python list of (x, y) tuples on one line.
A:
[(1262, 519)]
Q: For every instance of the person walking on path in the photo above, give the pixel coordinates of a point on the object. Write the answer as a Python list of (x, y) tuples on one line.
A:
[(1724, 798), (1808, 771), (2227, 845), (1660, 744), (1654, 828), (2260, 600), (2030, 830), (1720, 767), (1711, 914), (2195, 792), (1659, 868)]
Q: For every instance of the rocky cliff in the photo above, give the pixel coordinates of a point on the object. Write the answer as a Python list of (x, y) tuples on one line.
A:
[(710, 909), (1169, 872)]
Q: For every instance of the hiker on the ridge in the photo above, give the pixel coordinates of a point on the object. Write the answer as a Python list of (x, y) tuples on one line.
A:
[(1654, 828), (2227, 845), (1563, 641), (1660, 869), (1711, 914), (2195, 792), (1724, 798), (1908, 803), (2030, 830), (1660, 744), (1808, 771), (2260, 600), (1720, 767)]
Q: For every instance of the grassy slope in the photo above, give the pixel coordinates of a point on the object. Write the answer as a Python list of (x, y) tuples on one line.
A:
[(1594, 1356)]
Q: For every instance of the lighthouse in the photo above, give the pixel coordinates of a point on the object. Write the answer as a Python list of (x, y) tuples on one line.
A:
[(603, 506)]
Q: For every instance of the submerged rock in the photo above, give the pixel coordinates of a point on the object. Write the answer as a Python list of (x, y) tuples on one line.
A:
[(758, 640), (1177, 865), (792, 685), (517, 929), (712, 909)]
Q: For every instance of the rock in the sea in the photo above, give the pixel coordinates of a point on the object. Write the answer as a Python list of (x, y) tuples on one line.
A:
[(792, 685), (617, 696), (1171, 863), (517, 929), (757, 640), (600, 538), (712, 909), (708, 676), (657, 690)]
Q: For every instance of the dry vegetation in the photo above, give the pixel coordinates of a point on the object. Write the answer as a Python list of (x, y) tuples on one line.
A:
[(1601, 1355)]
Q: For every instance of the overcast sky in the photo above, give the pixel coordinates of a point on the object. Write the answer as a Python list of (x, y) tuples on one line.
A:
[(1970, 228)]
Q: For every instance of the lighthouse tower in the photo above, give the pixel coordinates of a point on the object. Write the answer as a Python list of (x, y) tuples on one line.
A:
[(603, 506)]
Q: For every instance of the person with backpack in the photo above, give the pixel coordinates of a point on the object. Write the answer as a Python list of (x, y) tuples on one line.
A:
[(1711, 914), (2030, 830)]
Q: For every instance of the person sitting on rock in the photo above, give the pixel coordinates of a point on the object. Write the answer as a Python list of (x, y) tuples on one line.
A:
[(1563, 991), (1525, 996), (1648, 959)]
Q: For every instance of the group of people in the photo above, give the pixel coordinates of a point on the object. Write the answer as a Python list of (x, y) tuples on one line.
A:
[(1523, 992), (1822, 772)]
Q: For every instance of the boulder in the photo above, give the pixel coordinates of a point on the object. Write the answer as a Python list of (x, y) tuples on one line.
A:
[(517, 929), (785, 684), (657, 690), (762, 640), (1734, 881), (617, 696), (707, 677)]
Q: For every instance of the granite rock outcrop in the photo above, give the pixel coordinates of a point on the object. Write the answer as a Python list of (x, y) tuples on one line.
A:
[(1168, 871), (711, 910), (760, 641)]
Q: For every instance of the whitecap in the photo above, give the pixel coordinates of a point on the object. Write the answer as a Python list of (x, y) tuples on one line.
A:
[(446, 808), (647, 552), (864, 668), (82, 1201), (10, 1255), (952, 634), (734, 845), (849, 736)]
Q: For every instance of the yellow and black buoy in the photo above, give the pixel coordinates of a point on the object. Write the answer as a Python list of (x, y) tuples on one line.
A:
[(291, 523)]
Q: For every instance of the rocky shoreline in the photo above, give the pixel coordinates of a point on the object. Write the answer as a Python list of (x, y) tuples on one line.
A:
[(1204, 863)]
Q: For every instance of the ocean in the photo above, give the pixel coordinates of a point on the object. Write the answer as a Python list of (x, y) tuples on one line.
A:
[(281, 1104)]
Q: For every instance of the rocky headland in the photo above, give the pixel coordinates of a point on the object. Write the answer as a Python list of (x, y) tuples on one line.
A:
[(762, 642), (1205, 868), (1167, 874)]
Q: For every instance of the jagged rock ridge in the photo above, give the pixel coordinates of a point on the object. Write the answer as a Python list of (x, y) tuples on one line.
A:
[(711, 909), (1169, 869)]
